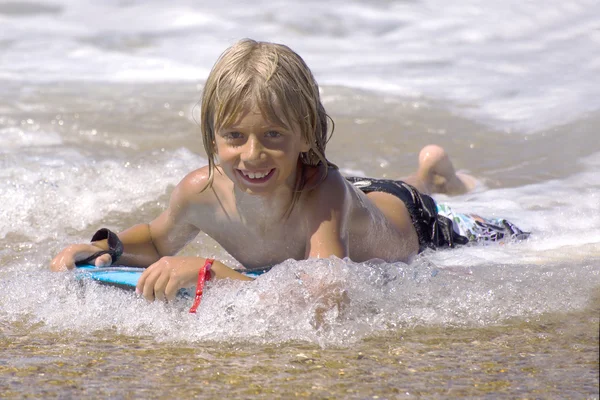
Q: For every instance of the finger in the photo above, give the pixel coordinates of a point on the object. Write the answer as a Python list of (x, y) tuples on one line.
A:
[(104, 260), (171, 290), (59, 263), (80, 252), (148, 289), (66, 259), (69, 264), (160, 286), (139, 288)]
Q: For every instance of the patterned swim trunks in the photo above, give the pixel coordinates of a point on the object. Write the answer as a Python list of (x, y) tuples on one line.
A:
[(481, 229), (437, 225)]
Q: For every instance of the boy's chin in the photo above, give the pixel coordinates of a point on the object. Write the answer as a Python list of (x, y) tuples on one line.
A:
[(255, 189)]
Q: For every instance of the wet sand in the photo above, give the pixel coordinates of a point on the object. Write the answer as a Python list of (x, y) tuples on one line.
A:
[(552, 356)]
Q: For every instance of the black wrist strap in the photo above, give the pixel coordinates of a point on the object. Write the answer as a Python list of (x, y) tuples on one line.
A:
[(115, 246)]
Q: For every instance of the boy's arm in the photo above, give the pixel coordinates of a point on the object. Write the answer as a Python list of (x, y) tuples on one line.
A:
[(144, 244), (169, 233), (164, 237), (139, 250), (327, 220)]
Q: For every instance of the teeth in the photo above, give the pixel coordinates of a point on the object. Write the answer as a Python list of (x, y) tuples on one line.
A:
[(255, 175)]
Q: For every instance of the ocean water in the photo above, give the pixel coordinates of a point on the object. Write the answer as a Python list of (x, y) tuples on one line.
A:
[(98, 111)]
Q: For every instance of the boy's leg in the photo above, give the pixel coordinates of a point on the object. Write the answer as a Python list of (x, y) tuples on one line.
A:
[(436, 174)]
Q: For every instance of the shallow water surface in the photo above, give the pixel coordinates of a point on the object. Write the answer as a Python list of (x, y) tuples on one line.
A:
[(554, 355)]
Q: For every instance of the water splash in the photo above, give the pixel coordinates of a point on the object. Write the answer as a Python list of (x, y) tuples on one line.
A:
[(327, 302)]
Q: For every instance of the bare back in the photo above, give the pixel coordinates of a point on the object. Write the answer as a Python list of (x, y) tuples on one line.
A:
[(381, 228)]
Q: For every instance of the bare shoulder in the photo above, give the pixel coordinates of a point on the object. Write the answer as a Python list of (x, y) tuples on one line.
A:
[(185, 214), (330, 200), (194, 188), (332, 190)]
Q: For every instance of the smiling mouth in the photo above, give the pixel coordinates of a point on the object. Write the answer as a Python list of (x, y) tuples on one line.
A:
[(256, 177)]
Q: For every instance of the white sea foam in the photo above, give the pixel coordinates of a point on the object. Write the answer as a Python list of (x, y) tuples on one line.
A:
[(526, 65), (329, 302), (561, 214), (12, 138), (38, 192)]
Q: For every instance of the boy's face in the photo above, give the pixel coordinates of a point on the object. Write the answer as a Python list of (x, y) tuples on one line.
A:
[(258, 155)]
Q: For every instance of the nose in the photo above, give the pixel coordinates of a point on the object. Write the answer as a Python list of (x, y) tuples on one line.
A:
[(253, 150)]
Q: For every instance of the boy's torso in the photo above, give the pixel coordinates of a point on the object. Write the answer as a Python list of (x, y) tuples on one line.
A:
[(260, 241)]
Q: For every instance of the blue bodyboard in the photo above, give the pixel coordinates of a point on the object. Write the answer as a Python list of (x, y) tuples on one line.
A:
[(115, 275), (125, 277)]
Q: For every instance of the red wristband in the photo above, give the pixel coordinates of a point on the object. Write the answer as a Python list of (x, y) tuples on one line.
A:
[(203, 276)]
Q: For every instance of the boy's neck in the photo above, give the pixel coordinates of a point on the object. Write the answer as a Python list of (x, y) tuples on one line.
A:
[(258, 209)]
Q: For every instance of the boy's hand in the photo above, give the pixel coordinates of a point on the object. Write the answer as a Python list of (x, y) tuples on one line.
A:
[(164, 278), (66, 259)]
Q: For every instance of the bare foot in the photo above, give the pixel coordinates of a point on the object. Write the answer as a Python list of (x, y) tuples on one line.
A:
[(436, 174)]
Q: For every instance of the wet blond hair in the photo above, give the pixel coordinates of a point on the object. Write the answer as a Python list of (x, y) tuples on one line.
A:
[(277, 80)]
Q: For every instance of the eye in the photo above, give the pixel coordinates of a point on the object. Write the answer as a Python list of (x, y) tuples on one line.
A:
[(233, 135), (273, 134)]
